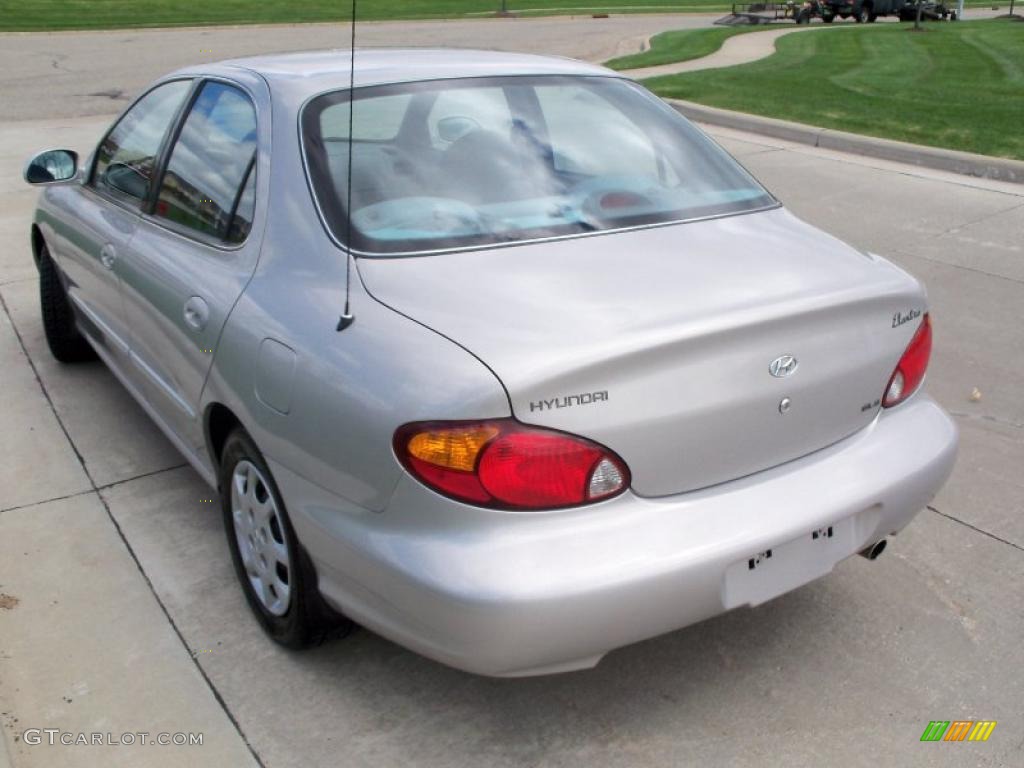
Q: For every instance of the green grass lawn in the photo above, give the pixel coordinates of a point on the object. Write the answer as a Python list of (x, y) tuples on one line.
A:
[(37, 15), (956, 85), (679, 45), (29, 15)]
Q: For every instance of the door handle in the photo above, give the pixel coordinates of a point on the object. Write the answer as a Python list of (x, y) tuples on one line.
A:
[(197, 313), (108, 255)]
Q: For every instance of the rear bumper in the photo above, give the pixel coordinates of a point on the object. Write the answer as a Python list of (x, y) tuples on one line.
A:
[(519, 594)]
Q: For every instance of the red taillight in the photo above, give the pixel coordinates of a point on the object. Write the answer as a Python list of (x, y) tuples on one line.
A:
[(503, 464), (911, 368)]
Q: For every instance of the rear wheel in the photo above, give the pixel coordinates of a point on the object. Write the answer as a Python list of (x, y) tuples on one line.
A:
[(65, 341), (804, 17), (861, 15), (276, 574), (828, 19)]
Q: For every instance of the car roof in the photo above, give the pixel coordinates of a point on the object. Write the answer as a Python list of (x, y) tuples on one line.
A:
[(316, 71)]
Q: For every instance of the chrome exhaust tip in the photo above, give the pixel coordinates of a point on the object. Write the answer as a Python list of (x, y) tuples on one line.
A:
[(872, 552)]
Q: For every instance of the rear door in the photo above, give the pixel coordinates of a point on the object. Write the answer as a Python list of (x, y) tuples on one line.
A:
[(92, 237), (193, 254)]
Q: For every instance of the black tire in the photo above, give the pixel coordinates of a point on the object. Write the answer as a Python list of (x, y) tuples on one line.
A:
[(872, 17), (308, 621), (66, 342), (804, 17), (861, 15), (828, 19)]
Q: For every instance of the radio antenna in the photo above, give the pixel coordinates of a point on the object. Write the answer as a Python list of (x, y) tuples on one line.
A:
[(347, 318)]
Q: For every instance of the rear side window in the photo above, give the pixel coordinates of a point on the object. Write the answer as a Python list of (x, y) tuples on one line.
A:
[(126, 160), (241, 222), (209, 184)]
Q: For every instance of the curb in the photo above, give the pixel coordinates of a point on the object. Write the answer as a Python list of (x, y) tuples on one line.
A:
[(965, 163)]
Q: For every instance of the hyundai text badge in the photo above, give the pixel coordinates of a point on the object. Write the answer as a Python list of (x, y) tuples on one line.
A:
[(784, 366)]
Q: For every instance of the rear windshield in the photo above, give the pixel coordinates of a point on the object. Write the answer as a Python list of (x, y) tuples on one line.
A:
[(476, 162)]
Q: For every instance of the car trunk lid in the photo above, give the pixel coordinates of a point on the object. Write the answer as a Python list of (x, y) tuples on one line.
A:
[(658, 343)]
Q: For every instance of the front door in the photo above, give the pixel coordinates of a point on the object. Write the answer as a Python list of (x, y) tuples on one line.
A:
[(88, 250)]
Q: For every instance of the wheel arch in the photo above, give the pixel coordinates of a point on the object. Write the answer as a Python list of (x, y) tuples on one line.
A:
[(38, 241), (218, 422)]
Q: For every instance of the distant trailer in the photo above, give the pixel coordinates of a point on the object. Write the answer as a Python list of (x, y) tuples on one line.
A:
[(759, 13)]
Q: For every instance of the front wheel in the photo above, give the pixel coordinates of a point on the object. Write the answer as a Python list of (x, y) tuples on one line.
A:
[(65, 341), (276, 574)]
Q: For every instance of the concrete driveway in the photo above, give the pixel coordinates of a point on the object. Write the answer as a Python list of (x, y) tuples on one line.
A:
[(73, 74), (119, 611)]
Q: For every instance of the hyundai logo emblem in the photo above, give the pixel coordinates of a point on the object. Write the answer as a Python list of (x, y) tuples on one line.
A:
[(784, 366)]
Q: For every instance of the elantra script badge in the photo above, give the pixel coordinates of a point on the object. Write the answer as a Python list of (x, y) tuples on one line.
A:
[(902, 319), (784, 366)]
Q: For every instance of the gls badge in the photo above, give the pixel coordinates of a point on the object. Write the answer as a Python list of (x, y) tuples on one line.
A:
[(784, 366)]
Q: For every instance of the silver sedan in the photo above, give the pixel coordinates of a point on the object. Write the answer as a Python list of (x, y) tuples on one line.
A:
[(496, 355)]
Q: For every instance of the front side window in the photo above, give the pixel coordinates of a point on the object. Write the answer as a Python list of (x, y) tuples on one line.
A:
[(590, 152), (487, 161), (456, 112), (126, 159), (209, 184)]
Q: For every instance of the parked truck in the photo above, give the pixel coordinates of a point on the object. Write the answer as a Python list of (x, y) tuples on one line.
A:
[(861, 11)]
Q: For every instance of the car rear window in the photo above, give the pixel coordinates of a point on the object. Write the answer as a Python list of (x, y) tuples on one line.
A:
[(475, 162)]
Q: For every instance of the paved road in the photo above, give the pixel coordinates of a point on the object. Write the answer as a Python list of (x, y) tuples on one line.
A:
[(119, 610), (73, 74)]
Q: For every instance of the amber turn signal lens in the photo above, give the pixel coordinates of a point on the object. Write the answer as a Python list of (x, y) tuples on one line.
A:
[(452, 447)]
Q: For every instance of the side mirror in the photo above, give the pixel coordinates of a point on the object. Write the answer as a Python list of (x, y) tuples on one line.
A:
[(51, 166)]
